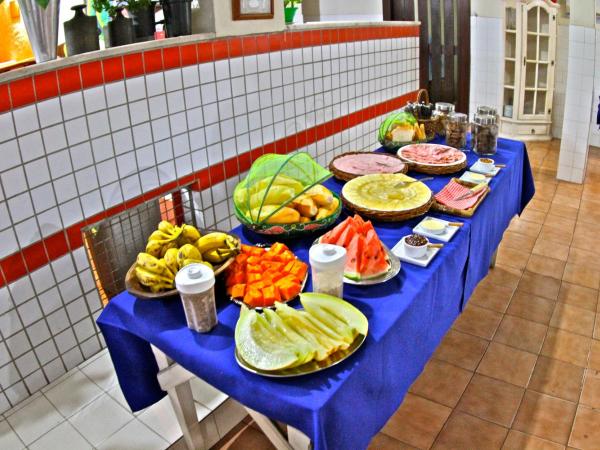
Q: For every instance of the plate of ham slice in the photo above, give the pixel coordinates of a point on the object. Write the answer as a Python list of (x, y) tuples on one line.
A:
[(460, 198), (432, 154)]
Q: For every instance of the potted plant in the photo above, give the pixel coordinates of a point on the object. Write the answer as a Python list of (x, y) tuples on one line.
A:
[(290, 9), (119, 31), (142, 13), (41, 22)]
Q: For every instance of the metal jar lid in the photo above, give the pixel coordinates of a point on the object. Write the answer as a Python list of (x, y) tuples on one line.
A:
[(486, 110), (459, 118), (484, 119), (444, 107)]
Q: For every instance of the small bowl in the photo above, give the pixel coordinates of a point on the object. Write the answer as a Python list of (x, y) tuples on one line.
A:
[(415, 251), (434, 226), (487, 164)]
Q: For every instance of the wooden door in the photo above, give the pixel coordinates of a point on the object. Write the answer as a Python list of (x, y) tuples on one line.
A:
[(445, 46)]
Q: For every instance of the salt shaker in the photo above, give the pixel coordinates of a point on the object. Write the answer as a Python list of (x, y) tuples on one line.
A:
[(327, 262), (195, 283)]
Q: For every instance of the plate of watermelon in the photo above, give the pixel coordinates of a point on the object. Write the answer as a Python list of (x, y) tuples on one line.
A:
[(369, 261), (260, 276)]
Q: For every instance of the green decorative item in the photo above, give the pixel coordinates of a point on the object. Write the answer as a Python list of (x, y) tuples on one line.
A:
[(398, 130), (290, 10), (263, 200)]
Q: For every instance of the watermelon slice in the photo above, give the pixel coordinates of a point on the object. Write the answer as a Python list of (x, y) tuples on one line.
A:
[(366, 257)]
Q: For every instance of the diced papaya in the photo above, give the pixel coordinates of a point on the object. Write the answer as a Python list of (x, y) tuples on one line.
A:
[(278, 248), (241, 258), (258, 284), (253, 277), (299, 269), (235, 278), (270, 295), (289, 266), (272, 265), (289, 290), (267, 278), (253, 297), (253, 260), (287, 256), (238, 291), (287, 280), (257, 251), (247, 248), (251, 268), (274, 275)]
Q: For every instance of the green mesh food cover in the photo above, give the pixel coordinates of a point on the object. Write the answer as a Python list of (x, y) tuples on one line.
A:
[(273, 182)]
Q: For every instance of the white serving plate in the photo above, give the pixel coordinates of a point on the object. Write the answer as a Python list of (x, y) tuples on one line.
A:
[(405, 158), (446, 236), (478, 169), (467, 177), (399, 251)]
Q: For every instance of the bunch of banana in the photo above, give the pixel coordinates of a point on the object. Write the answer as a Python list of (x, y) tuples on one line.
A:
[(169, 236), (154, 273), (217, 247)]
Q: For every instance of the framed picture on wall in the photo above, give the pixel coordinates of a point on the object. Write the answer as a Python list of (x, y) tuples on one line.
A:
[(252, 9)]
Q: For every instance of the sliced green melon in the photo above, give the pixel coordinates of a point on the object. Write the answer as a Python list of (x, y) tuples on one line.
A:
[(341, 309), (324, 345), (333, 322), (327, 331), (259, 346), (305, 349)]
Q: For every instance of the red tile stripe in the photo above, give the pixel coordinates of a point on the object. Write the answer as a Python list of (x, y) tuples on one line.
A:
[(41, 253), (20, 92)]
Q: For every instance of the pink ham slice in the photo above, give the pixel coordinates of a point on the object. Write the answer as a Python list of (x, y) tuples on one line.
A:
[(368, 163), (432, 154), (454, 190)]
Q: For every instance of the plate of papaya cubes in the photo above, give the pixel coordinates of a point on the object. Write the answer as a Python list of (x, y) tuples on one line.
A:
[(260, 276)]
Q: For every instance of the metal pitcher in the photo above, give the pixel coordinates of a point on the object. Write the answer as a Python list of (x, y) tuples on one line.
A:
[(42, 28)]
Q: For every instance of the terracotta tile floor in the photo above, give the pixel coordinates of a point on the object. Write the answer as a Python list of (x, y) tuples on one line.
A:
[(520, 369)]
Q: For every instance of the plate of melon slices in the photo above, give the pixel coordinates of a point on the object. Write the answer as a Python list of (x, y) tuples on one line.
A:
[(369, 261), (287, 342)]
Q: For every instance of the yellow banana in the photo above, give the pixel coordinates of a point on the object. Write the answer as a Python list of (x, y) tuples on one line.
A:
[(211, 241), (156, 288), (215, 256), (188, 261), (149, 278), (189, 234), (321, 195), (232, 242), (166, 227), (171, 259), (149, 263), (167, 246), (154, 248), (168, 273), (188, 251), (160, 237)]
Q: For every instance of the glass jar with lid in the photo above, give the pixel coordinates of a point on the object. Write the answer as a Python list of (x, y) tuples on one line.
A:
[(456, 130), (441, 113), (484, 134), (488, 111)]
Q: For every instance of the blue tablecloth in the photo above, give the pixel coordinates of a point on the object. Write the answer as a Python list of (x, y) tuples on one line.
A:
[(345, 406)]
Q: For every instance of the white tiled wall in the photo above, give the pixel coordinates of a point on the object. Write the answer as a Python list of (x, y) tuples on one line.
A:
[(68, 158), (560, 79), (594, 127), (578, 101), (487, 62)]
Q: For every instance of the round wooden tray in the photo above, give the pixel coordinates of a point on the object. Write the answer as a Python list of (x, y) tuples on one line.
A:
[(135, 288), (389, 216), (346, 176), (434, 169)]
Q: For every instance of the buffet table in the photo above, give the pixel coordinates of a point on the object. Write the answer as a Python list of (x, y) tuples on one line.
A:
[(345, 406)]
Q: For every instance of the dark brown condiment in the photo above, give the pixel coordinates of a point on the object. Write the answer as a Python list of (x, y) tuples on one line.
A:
[(416, 240)]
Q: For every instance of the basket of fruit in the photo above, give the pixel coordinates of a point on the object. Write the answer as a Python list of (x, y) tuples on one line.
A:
[(401, 129), (283, 196), (171, 248)]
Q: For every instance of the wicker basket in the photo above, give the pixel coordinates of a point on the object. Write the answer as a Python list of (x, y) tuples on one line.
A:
[(461, 212), (434, 169), (135, 288), (345, 176), (389, 216)]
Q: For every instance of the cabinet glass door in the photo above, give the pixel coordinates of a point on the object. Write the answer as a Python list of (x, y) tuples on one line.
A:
[(536, 60), (510, 60)]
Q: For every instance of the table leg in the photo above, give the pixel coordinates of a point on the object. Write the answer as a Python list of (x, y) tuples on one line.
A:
[(493, 259), (270, 430), (298, 440), (194, 434)]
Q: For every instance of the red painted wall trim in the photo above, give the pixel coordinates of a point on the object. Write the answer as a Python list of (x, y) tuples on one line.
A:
[(41, 253), (20, 92)]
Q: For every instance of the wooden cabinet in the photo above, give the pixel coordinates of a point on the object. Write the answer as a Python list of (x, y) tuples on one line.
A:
[(529, 54)]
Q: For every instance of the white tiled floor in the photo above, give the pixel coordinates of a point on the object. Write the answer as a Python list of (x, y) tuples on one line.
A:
[(85, 409)]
